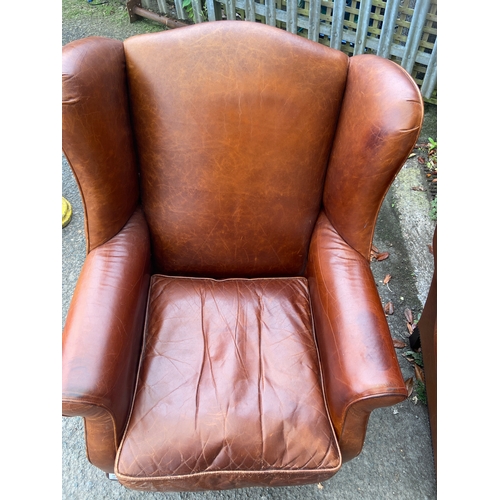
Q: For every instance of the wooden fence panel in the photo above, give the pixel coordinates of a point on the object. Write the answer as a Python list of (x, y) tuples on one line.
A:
[(404, 31)]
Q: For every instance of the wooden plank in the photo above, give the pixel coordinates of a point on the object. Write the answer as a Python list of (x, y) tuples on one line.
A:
[(270, 12), (211, 5), (250, 10), (430, 79), (197, 11), (231, 10), (337, 25), (362, 27), (415, 33), (390, 19), (348, 36), (291, 16), (313, 25), (162, 6), (179, 10)]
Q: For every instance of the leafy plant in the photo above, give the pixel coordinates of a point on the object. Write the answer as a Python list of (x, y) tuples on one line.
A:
[(432, 153), (415, 356), (434, 209), (420, 391), (188, 7)]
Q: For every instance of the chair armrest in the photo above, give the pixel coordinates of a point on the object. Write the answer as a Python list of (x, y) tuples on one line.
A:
[(360, 367), (102, 338)]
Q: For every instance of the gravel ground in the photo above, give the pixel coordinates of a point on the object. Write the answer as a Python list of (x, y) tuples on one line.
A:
[(397, 460)]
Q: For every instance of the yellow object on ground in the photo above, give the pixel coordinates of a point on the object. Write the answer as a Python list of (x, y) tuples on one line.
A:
[(66, 212)]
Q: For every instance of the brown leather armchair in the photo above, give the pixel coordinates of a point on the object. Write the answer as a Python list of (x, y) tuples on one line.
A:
[(226, 329)]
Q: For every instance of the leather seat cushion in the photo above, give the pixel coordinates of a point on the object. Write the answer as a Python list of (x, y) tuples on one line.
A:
[(229, 391)]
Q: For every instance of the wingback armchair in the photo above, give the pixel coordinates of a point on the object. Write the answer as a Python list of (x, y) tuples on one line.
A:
[(226, 329)]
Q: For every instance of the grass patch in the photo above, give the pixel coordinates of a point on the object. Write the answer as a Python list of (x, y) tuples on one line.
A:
[(112, 12), (73, 9)]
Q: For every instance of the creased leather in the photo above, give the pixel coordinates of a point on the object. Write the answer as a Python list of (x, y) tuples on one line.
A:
[(357, 354), (102, 337), (232, 168), (234, 125), (229, 391), (96, 134), (379, 123)]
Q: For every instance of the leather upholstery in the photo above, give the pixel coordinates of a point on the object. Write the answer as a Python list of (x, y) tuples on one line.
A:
[(380, 121), (239, 152), (102, 338), (233, 167), (360, 365), (97, 137), (238, 361)]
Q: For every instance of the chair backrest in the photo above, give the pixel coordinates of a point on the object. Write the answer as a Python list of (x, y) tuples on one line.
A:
[(234, 124), (233, 136)]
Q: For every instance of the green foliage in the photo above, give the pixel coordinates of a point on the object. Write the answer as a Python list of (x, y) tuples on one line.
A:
[(112, 9), (112, 12), (432, 165), (188, 7), (432, 153), (416, 356), (434, 209), (420, 391)]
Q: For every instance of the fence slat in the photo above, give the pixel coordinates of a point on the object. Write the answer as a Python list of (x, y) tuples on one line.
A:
[(337, 24), (362, 28), (270, 12), (231, 10), (332, 32), (390, 19), (197, 11), (313, 26), (211, 9), (291, 16), (179, 9), (162, 6), (415, 33), (430, 78), (250, 10)]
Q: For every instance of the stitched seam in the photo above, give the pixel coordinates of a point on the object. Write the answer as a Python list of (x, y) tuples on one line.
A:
[(141, 361), (322, 381), (159, 276), (227, 472)]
